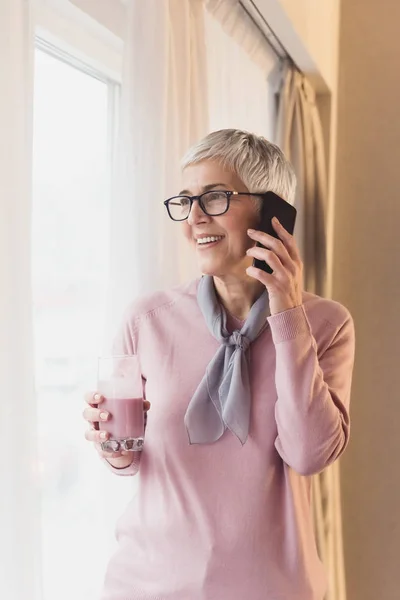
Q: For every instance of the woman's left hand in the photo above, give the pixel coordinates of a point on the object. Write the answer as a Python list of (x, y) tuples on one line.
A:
[(285, 284)]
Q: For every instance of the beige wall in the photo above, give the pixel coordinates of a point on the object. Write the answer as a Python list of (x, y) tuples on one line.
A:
[(367, 279), (308, 30), (316, 21)]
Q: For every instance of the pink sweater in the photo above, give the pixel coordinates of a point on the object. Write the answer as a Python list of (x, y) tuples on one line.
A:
[(221, 521)]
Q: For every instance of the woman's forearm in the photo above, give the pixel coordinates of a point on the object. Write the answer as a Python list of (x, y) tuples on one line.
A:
[(312, 410)]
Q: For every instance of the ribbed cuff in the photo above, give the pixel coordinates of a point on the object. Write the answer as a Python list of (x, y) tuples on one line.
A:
[(289, 324)]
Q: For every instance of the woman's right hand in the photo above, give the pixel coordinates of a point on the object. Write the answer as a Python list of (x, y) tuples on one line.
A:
[(93, 414)]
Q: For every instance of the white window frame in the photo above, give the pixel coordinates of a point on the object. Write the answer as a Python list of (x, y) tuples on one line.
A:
[(62, 25)]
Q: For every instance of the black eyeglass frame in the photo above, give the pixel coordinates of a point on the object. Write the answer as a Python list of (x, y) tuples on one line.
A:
[(229, 194)]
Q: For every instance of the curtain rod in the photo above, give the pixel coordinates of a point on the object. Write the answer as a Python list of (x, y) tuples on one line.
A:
[(268, 33)]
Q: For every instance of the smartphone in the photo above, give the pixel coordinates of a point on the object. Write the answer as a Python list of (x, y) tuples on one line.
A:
[(274, 206)]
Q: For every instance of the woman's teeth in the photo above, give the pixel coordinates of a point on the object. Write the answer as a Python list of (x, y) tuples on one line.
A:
[(207, 240)]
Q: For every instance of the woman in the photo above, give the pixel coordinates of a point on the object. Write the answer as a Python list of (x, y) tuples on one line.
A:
[(249, 380)]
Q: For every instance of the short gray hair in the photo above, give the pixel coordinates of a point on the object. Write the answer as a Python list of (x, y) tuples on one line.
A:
[(261, 165)]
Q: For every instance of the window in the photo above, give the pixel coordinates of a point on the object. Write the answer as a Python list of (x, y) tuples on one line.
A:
[(73, 124)]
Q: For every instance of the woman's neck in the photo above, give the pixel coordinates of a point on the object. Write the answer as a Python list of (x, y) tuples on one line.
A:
[(238, 295)]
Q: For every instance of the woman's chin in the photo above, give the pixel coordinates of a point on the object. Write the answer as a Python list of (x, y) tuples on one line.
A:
[(209, 267), (219, 269)]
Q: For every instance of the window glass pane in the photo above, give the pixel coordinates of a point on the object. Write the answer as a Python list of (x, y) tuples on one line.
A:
[(70, 274)]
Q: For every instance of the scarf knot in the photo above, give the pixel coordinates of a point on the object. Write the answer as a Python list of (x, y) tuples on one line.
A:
[(239, 340)]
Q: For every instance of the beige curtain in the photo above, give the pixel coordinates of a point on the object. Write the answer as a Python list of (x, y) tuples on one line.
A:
[(237, 51), (236, 22), (20, 548), (299, 134), (163, 110)]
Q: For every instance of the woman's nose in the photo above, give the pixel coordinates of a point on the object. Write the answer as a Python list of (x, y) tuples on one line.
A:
[(197, 215)]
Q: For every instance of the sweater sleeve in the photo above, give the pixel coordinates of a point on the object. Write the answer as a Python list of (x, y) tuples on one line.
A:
[(124, 343), (312, 409)]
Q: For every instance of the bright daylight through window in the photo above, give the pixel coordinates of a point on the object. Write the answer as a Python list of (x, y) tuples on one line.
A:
[(70, 251)]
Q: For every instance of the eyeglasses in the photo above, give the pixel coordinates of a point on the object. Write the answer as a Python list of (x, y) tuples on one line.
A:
[(213, 203)]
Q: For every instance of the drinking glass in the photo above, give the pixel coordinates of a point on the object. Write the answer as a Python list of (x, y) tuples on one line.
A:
[(120, 383)]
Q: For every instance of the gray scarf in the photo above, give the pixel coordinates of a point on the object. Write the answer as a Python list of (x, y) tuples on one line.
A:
[(223, 398)]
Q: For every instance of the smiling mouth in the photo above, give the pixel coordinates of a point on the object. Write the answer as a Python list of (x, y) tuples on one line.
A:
[(209, 241)]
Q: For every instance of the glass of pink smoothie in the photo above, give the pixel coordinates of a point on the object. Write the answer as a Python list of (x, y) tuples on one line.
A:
[(120, 382)]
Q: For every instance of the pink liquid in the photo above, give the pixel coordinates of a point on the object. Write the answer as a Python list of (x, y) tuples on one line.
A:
[(126, 417)]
